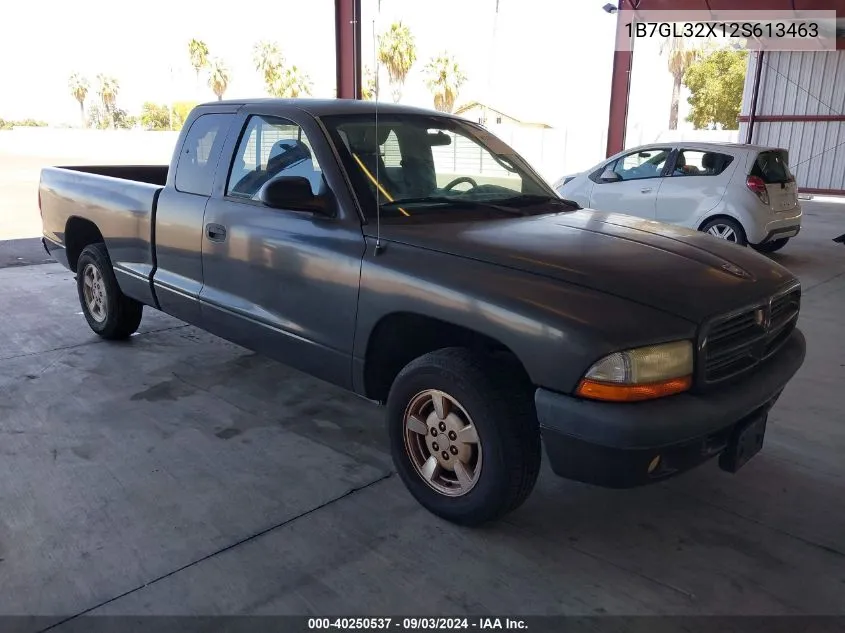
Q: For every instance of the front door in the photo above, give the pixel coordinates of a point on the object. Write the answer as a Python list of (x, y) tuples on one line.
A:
[(637, 179), (284, 283)]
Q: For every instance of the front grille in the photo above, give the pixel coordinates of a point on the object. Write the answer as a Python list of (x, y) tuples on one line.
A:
[(735, 343)]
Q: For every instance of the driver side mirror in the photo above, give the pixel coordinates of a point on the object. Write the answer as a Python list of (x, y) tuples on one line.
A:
[(293, 193), (608, 175)]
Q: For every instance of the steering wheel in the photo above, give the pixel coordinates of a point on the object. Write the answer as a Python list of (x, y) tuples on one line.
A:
[(458, 181)]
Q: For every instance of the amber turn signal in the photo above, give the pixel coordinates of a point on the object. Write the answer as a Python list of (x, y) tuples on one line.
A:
[(612, 392)]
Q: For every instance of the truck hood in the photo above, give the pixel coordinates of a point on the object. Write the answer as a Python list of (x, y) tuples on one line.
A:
[(683, 272)]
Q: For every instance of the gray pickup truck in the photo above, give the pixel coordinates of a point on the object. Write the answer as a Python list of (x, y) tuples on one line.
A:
[(415, 259)]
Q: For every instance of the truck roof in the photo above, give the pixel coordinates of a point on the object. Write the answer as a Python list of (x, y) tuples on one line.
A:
[(326, 107)]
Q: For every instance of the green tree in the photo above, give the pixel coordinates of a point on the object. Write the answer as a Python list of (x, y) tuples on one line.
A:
[(107, 90), (155, 116), (680, 54), (444, 78), (79, 89), (397, 50), (369, 90), (716, 83), (123, 120), (181, 110), (292, 82), (198, 52), (268, 61), (218, 77)]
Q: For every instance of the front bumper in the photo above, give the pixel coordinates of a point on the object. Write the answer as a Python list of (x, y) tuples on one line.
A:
[(614, 445)]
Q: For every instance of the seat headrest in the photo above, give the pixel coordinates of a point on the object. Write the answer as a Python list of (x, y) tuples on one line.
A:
[(287, 152), (364, 140), (708, 161)]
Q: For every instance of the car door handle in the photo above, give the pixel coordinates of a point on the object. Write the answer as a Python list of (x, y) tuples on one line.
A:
[(215, 232), (645, 190)]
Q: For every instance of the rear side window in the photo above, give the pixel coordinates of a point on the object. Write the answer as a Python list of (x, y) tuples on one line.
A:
[(773, 167), (694, 162), (200, 151)]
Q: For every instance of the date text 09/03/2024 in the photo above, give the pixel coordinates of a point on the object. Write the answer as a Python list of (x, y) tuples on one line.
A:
[(774, 29), (414, 624)]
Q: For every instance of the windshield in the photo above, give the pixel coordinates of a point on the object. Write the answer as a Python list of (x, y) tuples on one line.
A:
[(432, 164)]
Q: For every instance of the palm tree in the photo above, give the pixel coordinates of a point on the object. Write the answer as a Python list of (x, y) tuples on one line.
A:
[(681, 53), (369, 90), (107, 91), (397, 50), (268, 61), (218, 77), (444, 79), (291, 83), (79, 89), (198, 51)]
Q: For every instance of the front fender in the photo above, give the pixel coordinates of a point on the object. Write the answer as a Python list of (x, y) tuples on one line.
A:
[(557, 330)]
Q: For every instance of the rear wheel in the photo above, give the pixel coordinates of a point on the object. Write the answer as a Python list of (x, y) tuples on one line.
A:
[(726, 229), (771, 247), (109, 312), (463, 435)]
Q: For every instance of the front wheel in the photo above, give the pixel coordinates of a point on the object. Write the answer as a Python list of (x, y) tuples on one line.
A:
[(726, 229), (109, 312), (771, 247), (464, 436)]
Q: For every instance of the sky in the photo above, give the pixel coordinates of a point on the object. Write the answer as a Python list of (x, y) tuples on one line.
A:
[(540, 60)]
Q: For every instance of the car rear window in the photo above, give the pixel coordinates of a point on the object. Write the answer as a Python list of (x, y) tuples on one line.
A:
[(773, 167)]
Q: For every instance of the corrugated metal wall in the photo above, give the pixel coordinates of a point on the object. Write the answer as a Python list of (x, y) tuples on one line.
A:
[(802, 84)]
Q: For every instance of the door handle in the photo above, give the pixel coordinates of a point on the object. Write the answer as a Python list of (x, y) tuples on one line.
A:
[(645, 190), (216, 232)]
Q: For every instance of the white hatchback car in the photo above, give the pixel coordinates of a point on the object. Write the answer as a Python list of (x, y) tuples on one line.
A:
[(741, 193)]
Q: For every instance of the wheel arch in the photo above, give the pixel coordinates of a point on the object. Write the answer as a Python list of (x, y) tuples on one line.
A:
[(400, 337), (79, 233)]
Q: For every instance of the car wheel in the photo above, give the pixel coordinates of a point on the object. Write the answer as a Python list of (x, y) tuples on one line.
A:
[(726, 229), (109, 312), (771, 247), (464, 435)]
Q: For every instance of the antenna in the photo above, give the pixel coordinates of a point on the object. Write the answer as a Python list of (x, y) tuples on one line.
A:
[(378, 247)]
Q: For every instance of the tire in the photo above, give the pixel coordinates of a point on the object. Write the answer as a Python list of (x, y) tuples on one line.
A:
[(109, 312), (771, 247), (725, 226), (501, 466)]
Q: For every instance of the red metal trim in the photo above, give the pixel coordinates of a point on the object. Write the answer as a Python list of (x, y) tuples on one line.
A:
[(794, 118), (756, 91), (348, 48), (822, 192), (620, 91)]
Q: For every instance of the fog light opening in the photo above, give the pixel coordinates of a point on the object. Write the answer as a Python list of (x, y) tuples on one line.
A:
[(653, 464)]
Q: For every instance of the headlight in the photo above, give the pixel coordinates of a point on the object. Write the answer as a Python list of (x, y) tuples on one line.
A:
[(643, 373)]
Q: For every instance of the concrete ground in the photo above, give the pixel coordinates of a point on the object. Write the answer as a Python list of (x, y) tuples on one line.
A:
[(179, 474)]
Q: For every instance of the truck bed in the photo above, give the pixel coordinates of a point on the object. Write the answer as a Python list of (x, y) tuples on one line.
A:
[(119, 201)]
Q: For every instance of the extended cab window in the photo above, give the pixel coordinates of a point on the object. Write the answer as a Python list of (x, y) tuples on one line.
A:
[(693, 162), (200, 151), (641, 164), (272, 147)]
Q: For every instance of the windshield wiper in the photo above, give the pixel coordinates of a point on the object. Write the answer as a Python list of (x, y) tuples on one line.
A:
[(533, 198), (475, 204)]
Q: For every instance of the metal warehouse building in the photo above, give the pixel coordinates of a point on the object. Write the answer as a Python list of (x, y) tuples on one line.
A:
[(796, 100)]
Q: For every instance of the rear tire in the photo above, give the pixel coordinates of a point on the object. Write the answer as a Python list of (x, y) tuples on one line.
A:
[(464, 435), (771, 247), (725, 229), (109, 312)]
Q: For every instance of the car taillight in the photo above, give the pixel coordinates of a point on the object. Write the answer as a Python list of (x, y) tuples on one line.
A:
[(40, 212), (756, 185)]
